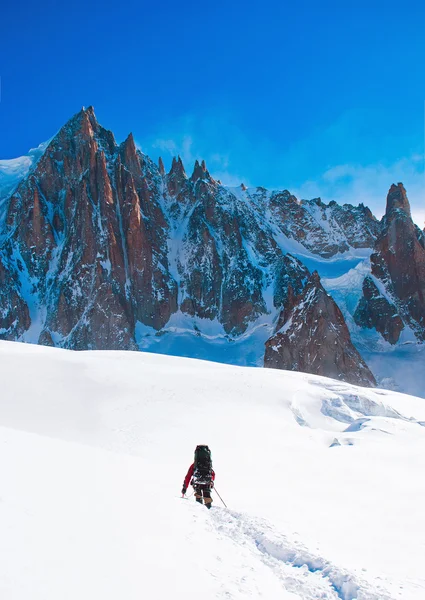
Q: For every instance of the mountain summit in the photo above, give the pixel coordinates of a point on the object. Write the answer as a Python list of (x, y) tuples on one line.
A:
[(102, 249)]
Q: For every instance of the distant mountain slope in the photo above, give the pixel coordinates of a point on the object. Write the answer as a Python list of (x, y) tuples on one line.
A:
[(102, 249)]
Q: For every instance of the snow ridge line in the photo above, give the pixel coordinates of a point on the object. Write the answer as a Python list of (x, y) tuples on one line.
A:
[(316, 577)]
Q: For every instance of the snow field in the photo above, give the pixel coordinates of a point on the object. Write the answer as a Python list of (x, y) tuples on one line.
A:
[(323, 480)]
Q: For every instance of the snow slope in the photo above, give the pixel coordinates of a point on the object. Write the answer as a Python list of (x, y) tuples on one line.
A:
[(323, 480), (13, 170)]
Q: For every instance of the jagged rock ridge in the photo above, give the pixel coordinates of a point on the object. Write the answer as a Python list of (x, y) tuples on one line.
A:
[(98, 240)]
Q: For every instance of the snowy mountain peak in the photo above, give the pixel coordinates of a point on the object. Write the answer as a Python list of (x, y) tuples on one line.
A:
[(101, 249)]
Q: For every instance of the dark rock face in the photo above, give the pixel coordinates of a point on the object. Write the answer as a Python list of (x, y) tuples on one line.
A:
[(420, 235), (399, 263), (291, 278), (374, 310), (313, 337), (14, 313)]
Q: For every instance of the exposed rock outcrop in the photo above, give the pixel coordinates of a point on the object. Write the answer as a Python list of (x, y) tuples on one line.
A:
[(200, 171), (176, 178), (14, 313), (161, 167), (313, 337), (398, 262), (375, 310)]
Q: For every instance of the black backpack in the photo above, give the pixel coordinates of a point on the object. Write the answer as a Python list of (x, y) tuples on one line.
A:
[(202, 473)]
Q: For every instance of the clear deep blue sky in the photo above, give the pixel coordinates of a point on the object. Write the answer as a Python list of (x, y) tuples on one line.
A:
[(325, 98)]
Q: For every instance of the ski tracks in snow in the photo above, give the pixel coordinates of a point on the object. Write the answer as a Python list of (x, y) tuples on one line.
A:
[(300, 572)]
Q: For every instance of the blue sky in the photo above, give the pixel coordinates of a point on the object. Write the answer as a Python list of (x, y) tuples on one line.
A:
[(323, 98)]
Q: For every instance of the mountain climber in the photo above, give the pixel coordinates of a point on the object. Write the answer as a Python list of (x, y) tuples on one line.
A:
[(201, 476)]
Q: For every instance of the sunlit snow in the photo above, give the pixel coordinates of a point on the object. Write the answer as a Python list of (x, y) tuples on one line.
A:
[(323, 481), (13, 170)]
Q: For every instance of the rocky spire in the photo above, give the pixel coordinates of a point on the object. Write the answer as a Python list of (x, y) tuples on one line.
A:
[(176, 177), (129, 156), (397, 199), (161, 167), (200, 171), (177, 167), (398, 262), (398, 252)]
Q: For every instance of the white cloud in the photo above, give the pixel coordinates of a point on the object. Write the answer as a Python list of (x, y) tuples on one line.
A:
[(211, 137), (169, 146), (308, 166), (369, 184)]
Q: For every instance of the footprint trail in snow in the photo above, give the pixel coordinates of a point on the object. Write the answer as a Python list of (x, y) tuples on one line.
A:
[(307, 576)]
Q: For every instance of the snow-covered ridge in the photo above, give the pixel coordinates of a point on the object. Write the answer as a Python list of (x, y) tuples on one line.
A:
[(323, 481), (13, 170)]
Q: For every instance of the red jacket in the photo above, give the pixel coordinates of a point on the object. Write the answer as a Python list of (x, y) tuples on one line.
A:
[(190, 475)]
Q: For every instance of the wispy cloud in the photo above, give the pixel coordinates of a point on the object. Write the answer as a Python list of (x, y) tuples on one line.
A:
[(182, 146), (340, 161), (369, 184), (214, 138)]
